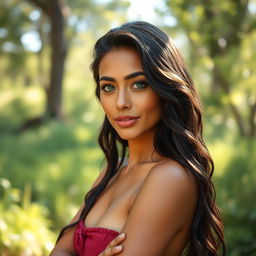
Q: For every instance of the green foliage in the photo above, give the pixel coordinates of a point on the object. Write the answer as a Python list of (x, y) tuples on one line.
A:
[(59, 159), (24, 228), (14, 22), (235, 178), (54, 159), (221, 42)]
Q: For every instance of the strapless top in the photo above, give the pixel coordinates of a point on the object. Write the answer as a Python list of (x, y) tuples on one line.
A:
[(92, 241)]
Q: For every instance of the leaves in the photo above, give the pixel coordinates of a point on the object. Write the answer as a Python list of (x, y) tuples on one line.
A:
[(223, 37), (24, 227)]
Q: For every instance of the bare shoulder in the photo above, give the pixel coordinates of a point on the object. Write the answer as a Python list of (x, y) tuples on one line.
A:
[(167, 201), (172, 174)]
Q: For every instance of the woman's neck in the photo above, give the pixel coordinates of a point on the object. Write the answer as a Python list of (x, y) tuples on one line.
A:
[(141, 150)]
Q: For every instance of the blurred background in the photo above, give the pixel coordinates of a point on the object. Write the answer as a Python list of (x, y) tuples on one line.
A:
[(49, 117)]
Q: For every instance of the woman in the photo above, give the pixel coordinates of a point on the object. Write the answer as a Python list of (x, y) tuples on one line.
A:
[(156, 187)]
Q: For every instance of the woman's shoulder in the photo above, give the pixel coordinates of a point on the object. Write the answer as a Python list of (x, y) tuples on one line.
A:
[(170, 192), (172, 173)]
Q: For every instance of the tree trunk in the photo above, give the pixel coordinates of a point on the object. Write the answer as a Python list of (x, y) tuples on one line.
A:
[(252, 120), (41, 70), (219, 80), (54, 10), (58, 55)]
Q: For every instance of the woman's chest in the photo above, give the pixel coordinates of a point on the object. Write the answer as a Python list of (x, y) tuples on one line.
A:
[(112, 208)]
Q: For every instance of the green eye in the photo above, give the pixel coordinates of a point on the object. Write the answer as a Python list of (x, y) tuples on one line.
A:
[(107, 88), (140, 85)]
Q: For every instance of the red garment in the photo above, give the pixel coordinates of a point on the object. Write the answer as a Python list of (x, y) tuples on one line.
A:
[(92, 241)]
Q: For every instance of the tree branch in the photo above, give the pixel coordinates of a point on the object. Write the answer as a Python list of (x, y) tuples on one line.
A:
[(252, 121), (41, 4), (225, 86)]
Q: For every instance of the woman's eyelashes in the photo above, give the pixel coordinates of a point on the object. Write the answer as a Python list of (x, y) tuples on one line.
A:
[(107, 87), (137, 85), (142, 84)]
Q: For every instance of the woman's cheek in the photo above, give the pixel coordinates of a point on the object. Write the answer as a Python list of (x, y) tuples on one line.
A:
[(149, 103), (105, 104)]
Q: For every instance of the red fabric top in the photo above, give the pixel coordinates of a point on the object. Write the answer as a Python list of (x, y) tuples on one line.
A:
[(92, 241)]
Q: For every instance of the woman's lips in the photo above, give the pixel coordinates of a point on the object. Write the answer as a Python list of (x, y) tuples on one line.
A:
[(126, 121)]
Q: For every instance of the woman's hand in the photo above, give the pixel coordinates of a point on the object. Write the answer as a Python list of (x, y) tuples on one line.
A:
[(114, 246)]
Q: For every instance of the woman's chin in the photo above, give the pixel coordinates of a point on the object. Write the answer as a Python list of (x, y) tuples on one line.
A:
[(126, 136)]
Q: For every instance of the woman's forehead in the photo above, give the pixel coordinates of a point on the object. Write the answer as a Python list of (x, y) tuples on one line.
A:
[(122, 59)]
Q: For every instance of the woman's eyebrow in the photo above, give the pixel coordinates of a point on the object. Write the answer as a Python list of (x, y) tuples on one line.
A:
[(107, 78), (132, 75)]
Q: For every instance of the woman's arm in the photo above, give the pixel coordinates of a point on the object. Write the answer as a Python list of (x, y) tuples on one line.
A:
[(165, 203), (65, 247)]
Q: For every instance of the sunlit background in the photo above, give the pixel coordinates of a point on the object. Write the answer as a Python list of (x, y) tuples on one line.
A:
[(49, 123)]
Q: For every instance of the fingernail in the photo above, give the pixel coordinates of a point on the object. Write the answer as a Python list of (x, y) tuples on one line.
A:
[(119, 247), (122, 235)]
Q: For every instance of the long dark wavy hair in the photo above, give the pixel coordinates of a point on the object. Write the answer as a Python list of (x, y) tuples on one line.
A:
[(179, 132)]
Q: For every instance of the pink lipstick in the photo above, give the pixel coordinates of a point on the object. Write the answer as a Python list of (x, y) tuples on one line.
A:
[(126, 121)]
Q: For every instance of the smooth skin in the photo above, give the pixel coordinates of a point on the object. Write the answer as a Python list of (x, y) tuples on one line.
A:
[(151, 199)]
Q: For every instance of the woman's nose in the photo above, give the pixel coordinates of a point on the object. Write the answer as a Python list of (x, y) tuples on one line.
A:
[(123, 100)]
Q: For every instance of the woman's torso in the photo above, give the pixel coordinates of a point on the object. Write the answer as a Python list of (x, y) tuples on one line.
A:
[(112, 208)]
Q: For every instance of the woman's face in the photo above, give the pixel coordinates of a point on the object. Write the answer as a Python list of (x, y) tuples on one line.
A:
[(130, 104)]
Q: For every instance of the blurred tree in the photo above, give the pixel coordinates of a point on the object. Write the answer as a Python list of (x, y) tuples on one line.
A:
[(55, 11), (217, 33), (55, 23), (14, 22), (59, 15)]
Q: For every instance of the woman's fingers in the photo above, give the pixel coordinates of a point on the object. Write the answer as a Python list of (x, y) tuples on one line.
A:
[(112, 251), (113, 247), (117, 240)]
